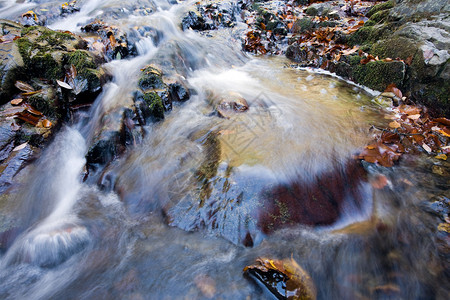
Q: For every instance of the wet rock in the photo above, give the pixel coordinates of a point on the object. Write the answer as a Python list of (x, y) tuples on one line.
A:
[(11, 167), (230, 104), (113, 42), (104, 149), (407, 10), (283, 278), (319, 9), (178, 92), (69, 8), (10, 60), (153, 96), (312, 203), (296, 53), (193, 20)]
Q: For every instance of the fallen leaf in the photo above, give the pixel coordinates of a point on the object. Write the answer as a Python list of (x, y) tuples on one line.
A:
[(16, 101), (427, 148), (409, 60), (20, 147), (441, 156), (24, 87), (46, 123), (444, 121), (444, 227), (394, 124), (63, 84), (414, 117)]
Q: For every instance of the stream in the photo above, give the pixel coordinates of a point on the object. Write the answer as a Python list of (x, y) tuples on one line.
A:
[(182, 212)]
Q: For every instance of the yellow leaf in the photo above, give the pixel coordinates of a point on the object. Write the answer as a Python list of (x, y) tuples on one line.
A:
[(394, 124), (441, 156)]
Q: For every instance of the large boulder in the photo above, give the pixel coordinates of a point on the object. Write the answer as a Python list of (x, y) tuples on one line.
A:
[(414, 32)]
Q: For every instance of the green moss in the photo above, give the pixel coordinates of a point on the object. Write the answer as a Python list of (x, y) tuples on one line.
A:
[(379, 16), (93, 78), (45, 66), (378, 74), (380, 7), (394, 47), (370, 34), (27, 30), (25, 48), (354, 60), (80, 59), (155, 105), (311, 11), (49, 107), (150, 81), (302, 25), (369, 23)]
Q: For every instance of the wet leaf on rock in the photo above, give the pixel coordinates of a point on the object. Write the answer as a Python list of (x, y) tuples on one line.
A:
[(284, 278), (16, 101), (64, 85), (24, 87), (20, 147)]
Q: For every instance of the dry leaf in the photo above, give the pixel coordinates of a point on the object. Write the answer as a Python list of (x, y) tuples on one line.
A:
[(414, 117), (394, 124)]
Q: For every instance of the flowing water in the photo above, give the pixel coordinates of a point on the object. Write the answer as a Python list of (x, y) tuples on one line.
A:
[(180, 214)]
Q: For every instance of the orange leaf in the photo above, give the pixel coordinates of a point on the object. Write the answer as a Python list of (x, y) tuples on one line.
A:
[(394, 124), (16, 101)]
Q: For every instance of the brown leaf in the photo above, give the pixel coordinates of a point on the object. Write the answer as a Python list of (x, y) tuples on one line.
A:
[(351, 51), (24, 87), (31, 109), (409, 109), (29, 118), (444, 121), (409, 60), (393, 88), (394, 124)]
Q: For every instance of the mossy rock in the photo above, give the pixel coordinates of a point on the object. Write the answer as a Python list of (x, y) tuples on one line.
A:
[(303, 25), (50, 39), (394, 47), (370, 34), (155, 106), (311, 11), (38, 61), (380, 7), (85, 65), (151, 79), (49, 106), (380, 16), (80, 59), (379, 74)]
